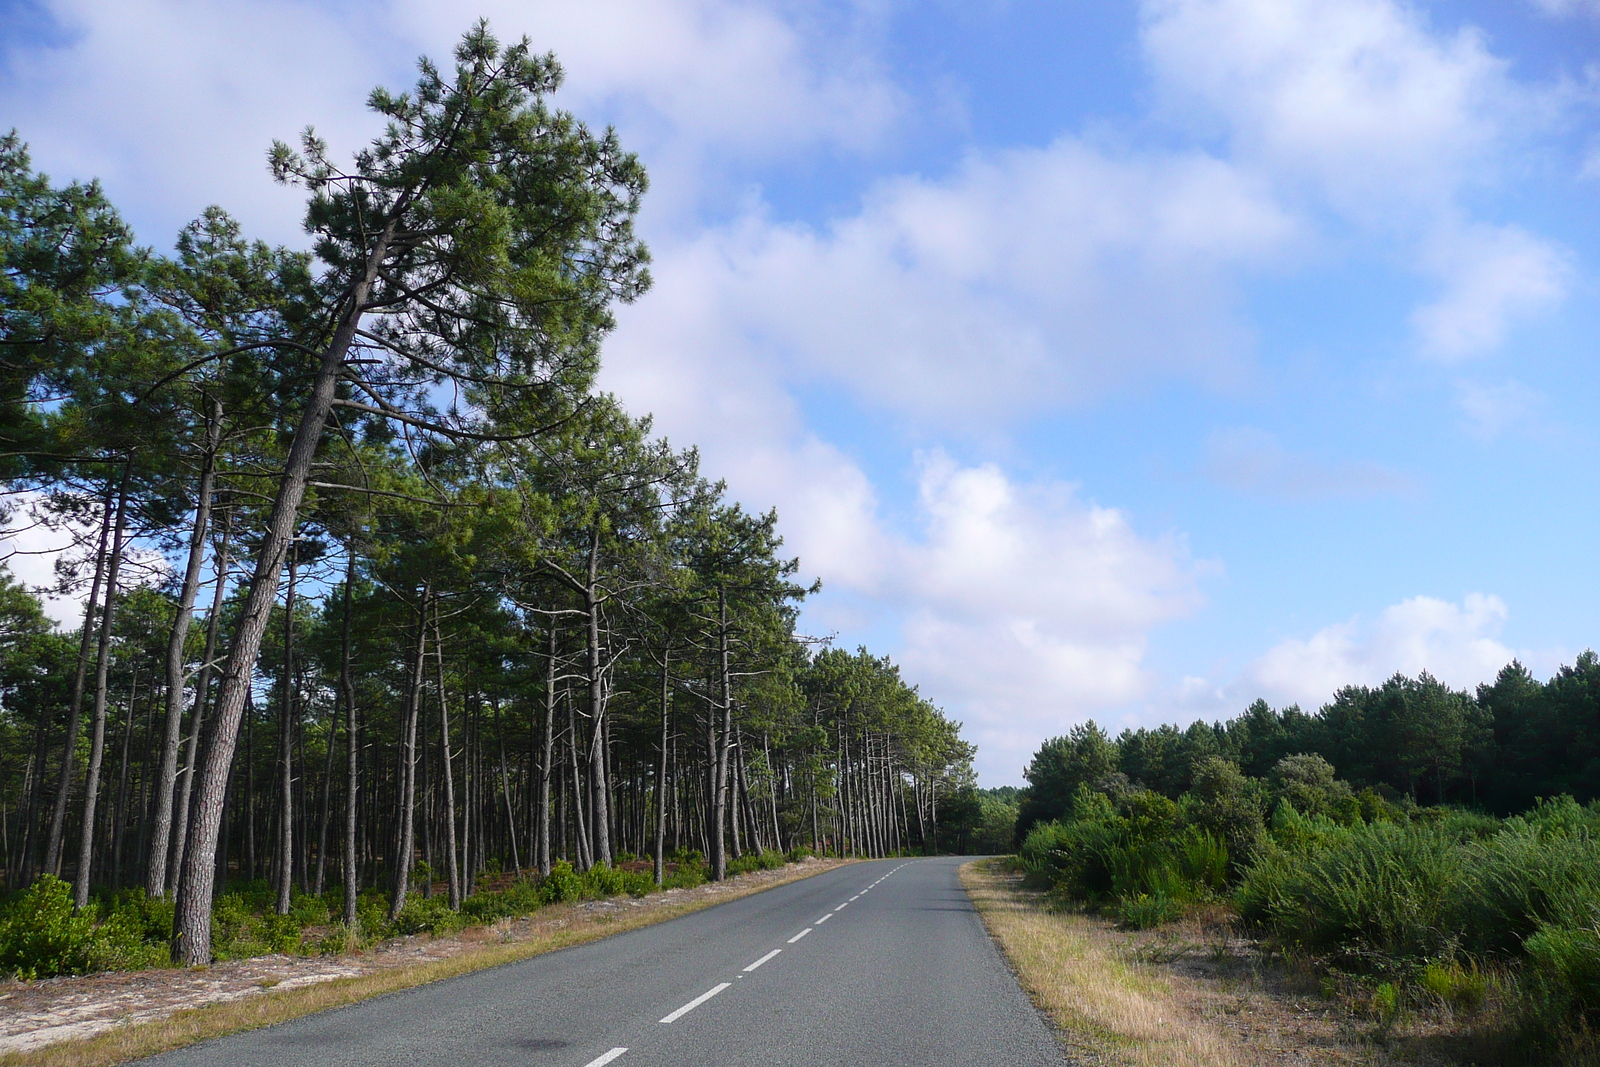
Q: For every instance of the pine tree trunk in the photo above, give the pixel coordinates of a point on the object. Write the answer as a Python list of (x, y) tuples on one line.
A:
[(449, 773), (166, 777), (202, 698), (69, 750), (405, 843), (286, 751), (545, 765), (599, 790), (661, 774), (97, 742), (191, 942), (347, 692)]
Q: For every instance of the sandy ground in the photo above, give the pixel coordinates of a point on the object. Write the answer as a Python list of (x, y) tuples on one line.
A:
[(34, 1014)]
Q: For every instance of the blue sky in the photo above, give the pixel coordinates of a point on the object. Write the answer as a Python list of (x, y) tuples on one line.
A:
[(1106, 359)]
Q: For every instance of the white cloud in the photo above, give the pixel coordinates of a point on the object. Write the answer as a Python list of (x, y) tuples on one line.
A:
[(1254, 461), (1362, 107), (1025, 280), (1457, 643), (1029, 608), (1495, 409), (1493, 275), (1568, 8)]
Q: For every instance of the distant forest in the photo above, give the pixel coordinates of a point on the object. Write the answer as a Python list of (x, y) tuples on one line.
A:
[(1498, 748)]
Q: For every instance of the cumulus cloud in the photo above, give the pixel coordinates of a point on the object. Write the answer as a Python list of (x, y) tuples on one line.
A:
[(1457, 643), (1029, 608), (1254, 461), (1493, 275), (1364, 108), (1027, 279)]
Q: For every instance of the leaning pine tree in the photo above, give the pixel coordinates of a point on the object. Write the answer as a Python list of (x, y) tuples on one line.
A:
[(472, 251)]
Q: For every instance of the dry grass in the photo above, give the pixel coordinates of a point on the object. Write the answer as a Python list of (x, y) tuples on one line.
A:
[(1111, 1010), (216, 1020)]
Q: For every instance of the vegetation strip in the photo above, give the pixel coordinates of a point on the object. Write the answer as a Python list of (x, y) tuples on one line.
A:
[(1105, 1008), (192, 1025)]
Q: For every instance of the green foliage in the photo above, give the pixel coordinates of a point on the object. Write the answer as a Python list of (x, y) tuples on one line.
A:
[(1146, 910), (521, 898), (1380, 890), (601, 881), (428, 915), (798, 853), (766, 860), (1462, 987), (561, 884), (1563, 975), (41, 935)]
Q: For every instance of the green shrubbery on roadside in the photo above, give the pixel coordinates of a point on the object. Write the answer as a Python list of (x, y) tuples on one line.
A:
[(1425, 902), (42, 935)]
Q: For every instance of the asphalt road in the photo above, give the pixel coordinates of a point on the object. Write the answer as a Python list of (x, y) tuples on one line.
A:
[(884, 964)]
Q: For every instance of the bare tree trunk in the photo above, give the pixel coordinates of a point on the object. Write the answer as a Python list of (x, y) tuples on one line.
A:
[(661, 774), (69, 750), (599, 787), (585, 852), (191, 942), (505, 789), (405, 842), (202, 693), (719, 801), (97, 743), (286, 750), (155, 881), (347, 692), (549, 754), (449, 773)]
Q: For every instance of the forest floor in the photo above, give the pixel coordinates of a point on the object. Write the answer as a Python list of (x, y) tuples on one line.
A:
[(1196, 994), (113, 1017)]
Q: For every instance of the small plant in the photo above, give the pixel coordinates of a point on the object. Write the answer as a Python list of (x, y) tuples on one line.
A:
[(1147, 910), (562, 883), (1458, 987), (1385, 1008)]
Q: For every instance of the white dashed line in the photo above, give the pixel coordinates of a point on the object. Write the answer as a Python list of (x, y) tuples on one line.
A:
[(763, 959), (843, 906), (601, 1061), (798, 936), (696, 1002), (824, 919)]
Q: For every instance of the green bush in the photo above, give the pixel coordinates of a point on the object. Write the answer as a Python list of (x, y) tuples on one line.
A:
[(1381, 889), (1521, 880), (689, 872), (41, 935), (562, 883), (520, 898), (765, 860), (798, 853), (601, 881), (1147, 910), (428, 915), (1562, 980)]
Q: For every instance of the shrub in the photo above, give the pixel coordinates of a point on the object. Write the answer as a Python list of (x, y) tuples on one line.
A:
[(41, 935), (765, 860), (562, 883), (520, 898), (1562, 980), (1461, 987), (602, 881), (1380, 888), (1146, 910), (798, 853), (1523, 879), (431, 915)]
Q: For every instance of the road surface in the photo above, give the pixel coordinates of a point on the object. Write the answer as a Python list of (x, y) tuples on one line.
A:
[(883, 964)]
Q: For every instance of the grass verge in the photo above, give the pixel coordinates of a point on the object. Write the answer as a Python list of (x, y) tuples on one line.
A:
[(1109, 1011), (192, 1025)]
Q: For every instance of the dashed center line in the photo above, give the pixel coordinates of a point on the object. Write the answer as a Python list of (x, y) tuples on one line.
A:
[(763, 959), (843, 906), (601, 1061), (798, 936), (695, 1003), (824, 919)]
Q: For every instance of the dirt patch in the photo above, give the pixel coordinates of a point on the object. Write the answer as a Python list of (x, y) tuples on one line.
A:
[(34, 1015)]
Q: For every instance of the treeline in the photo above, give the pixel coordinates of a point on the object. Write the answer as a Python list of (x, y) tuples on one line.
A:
[(1498, 748), (379, 591), (1389, 873)]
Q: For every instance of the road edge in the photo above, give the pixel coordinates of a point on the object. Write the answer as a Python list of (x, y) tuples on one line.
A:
[(191, 1026)]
